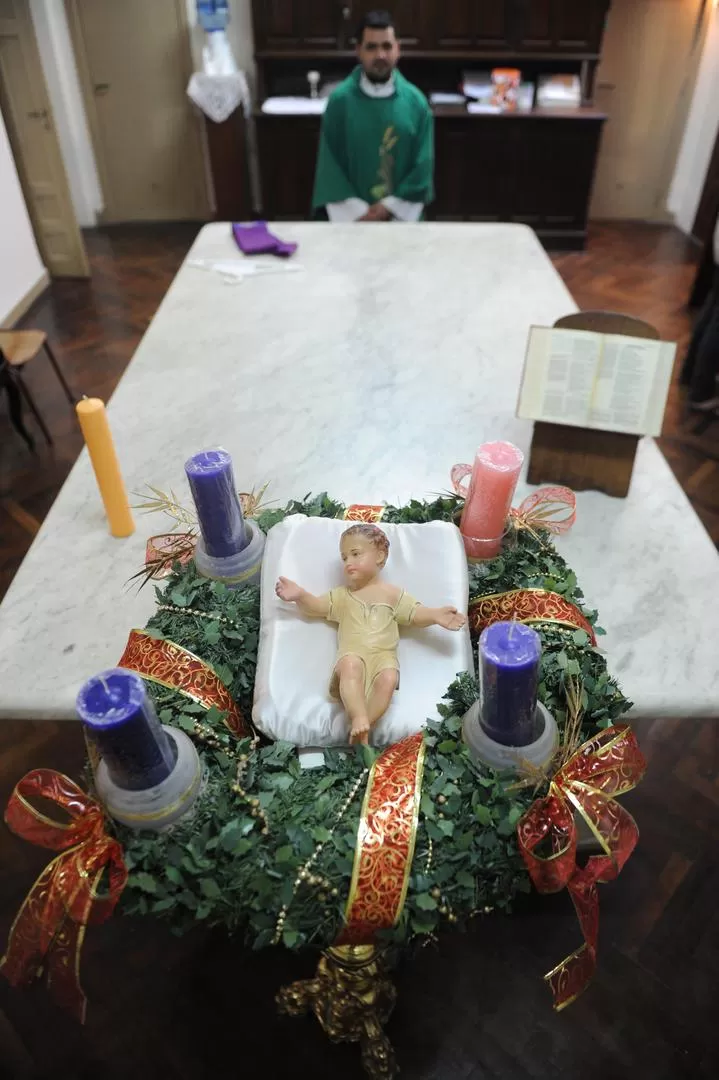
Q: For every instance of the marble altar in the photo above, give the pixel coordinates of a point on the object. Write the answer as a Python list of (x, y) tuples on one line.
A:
[(388, 358)]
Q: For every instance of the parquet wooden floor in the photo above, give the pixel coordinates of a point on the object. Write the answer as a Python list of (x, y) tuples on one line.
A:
[(476, 1007)]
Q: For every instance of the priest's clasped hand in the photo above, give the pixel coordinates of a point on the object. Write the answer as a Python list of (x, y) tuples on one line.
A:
[(378, 212)]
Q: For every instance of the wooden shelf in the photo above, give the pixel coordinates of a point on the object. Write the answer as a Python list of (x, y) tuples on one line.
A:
[(497, 57), (459, 112)]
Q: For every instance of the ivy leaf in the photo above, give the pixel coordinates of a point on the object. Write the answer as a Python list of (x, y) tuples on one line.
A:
[(173, 874), (163, 905), (321, 834), (465, 879), (425, 901), (144, 881), (230, 835), (178, 598), (210, 889), (290, 938), (185, 722), (284, 854), (483, 814), (580, 637)]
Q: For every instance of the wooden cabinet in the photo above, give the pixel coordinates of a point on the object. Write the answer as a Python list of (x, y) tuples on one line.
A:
[(535, 170), (452, 26), (287, 148), (466, 25), (411, 17), (300, 24), (557, 26)]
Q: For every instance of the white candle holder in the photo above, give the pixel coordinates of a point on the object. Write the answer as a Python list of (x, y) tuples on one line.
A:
[(155, 808), (236, 571), (537, 754)]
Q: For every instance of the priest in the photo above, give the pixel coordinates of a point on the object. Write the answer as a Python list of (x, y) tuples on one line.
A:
[(376, 154)]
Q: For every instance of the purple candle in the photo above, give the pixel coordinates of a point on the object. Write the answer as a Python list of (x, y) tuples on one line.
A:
[(212, 482), (121, 720), (509, 654)]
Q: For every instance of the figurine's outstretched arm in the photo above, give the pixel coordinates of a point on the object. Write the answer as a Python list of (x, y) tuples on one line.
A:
[(291, 592), (448, 617)]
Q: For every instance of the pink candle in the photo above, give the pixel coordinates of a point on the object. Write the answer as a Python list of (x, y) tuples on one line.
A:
[(495, 473)]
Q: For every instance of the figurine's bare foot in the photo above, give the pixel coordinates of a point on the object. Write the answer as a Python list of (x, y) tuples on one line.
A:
[(359, 732)]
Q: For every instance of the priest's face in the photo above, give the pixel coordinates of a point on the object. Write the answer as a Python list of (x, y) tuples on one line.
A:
[(378, 53)]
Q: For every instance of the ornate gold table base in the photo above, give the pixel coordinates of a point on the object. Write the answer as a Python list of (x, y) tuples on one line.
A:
[(352, 998)]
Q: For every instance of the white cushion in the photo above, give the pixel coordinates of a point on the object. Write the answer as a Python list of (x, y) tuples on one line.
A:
[(297, 653)]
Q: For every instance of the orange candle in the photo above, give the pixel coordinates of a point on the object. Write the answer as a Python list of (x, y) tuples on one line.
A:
[(98, 439)]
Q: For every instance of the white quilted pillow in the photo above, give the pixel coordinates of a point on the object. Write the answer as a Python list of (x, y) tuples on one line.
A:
[(297, 654)]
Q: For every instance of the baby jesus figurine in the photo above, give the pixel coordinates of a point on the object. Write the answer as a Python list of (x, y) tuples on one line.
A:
[(368, 612)]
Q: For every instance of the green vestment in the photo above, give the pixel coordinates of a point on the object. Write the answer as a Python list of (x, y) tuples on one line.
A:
[(373, 147)]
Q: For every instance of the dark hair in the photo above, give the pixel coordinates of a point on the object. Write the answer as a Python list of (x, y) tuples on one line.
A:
[(374, 20)]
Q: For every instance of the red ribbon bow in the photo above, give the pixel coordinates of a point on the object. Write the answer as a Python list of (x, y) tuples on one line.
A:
[(49, 928), (609, 764)]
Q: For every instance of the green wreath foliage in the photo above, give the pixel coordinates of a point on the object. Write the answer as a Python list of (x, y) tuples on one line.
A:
[(224, 867)]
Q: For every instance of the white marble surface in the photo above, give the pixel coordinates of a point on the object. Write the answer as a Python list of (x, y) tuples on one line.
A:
[(392, 355)]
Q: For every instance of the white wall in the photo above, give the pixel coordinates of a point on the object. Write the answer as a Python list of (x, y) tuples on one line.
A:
[(20, 265), (63, 84), (699, 135)]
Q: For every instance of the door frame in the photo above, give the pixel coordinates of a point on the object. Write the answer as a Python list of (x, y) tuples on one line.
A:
[(83, 67), (22, 172)]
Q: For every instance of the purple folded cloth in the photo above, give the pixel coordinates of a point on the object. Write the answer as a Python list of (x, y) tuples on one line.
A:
[(254, 238)]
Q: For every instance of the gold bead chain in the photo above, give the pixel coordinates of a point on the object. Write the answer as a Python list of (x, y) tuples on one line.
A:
[(199, 614), (303, 874)]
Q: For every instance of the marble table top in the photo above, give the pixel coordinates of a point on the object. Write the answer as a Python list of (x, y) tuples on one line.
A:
[(393, 354)]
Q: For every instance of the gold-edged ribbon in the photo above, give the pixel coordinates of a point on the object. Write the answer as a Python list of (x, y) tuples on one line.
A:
[(168, 664), (605, 766), (526, 606), (364, 512), (385, 842), (49, 929)]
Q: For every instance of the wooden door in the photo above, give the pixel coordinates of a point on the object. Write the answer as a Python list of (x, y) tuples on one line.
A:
[(134, 70), (573, 26), (300, 24), (647, 114), (473, 24), (26, 107)]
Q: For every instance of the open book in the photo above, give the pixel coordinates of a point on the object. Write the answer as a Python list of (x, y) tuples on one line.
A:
[(603, 381)]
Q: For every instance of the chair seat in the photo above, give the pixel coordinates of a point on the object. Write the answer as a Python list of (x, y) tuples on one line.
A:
[(19, 346)]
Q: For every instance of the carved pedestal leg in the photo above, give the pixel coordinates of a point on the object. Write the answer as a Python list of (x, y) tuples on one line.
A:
[(352, 998)]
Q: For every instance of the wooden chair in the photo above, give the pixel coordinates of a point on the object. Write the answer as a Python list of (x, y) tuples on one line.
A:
[(8, 383), (582, 458), (19, 348)]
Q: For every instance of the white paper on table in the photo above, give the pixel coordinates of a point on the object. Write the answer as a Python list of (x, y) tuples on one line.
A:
[(237, 269)]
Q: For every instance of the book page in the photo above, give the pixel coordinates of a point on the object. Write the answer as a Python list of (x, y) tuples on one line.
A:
[(609, 382), (560, 372), (624, 384)]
